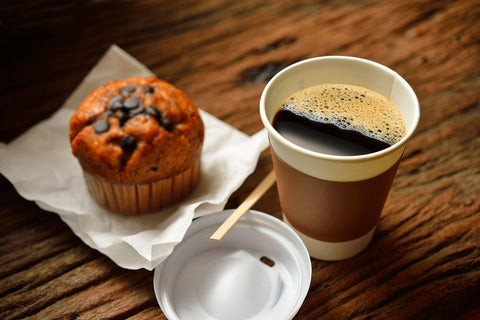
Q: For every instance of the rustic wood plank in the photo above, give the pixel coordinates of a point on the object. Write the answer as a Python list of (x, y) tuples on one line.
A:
[(22, 254), (42, 272), (424, 261), (147, 314), (21, 304), (119, 296)]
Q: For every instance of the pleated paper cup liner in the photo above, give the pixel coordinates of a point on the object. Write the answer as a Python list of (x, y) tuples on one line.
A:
[(144, 198)]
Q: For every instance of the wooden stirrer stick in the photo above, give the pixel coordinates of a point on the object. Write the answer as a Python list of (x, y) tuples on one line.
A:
[(244, 206)]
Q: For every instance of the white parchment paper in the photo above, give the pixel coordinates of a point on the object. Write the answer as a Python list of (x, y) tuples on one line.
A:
[(42, 168)]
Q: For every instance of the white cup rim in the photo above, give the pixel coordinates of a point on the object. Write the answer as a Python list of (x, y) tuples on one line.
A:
[(357, 158)]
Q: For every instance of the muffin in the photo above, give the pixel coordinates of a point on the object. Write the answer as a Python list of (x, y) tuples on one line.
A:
[(139, 144)]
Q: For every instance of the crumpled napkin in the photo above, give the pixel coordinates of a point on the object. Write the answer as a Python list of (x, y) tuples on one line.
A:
[(42, 168)]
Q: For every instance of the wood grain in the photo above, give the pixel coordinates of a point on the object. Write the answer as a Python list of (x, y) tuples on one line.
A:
[(424, 261)]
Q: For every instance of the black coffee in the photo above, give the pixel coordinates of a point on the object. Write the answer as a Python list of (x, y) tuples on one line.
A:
[(340, 119)]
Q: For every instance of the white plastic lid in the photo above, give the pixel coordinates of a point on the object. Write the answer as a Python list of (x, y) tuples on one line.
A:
[(260, 270)]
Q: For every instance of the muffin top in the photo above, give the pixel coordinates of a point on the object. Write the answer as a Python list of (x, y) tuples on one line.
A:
[(137, 130)]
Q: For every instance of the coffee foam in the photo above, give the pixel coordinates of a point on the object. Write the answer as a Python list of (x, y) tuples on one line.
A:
[(349, 107)]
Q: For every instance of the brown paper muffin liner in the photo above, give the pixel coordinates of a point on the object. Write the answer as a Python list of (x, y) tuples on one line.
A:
[(143, 198)]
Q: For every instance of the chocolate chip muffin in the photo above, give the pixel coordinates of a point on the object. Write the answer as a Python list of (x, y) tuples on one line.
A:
[(139, 143)]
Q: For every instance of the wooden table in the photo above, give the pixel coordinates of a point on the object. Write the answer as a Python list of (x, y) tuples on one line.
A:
[(424, 261)]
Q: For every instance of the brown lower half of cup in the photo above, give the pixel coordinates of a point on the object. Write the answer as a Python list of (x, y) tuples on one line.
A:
[(328, 210)]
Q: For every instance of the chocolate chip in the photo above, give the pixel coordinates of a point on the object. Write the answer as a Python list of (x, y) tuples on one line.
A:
[(131, 102), (101, 126), (115, 99), (123, 117), (154, 168), (154, 112), (116, 103), (148, 89), (167, 124), (128, 144), (127, 90), (138, 110)]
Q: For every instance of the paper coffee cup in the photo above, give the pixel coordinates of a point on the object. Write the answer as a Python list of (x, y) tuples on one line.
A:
[(337, 180)]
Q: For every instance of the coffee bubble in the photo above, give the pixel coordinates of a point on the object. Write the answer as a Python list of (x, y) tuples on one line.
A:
[(349, 107)]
